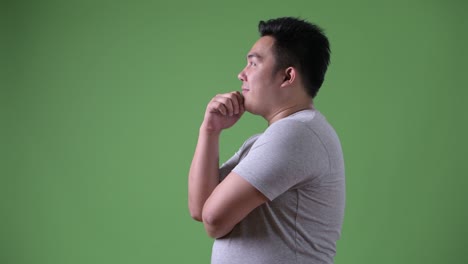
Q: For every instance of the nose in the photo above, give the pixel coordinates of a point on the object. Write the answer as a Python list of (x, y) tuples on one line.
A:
[(241, 76)]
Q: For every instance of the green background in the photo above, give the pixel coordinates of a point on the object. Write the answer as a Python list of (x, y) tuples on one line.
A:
[(101, 103)]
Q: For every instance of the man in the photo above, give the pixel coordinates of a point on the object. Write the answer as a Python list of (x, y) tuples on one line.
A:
[(281, 197)]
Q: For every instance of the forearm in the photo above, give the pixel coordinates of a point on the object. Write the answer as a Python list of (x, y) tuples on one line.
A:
[(204, 172)]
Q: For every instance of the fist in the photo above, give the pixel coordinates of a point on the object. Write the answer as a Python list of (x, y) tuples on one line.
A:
[(223, 111)]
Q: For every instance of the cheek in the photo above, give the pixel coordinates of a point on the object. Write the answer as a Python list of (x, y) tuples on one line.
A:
[(257, 79)]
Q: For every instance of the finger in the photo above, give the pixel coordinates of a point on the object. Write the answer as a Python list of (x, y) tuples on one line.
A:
[(228, 103), (242, 109), (222, 109), (217, 107), (236, 102), (241, 102)]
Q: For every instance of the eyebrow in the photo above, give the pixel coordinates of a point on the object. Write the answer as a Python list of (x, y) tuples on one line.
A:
[(254, 55)]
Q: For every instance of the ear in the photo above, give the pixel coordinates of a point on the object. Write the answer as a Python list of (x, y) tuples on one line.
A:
[(289, 76)]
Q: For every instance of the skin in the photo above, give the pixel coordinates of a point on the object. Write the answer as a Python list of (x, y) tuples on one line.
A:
[(265, 92)]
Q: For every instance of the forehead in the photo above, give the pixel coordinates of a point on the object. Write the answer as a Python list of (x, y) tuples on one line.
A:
[(263, 47)]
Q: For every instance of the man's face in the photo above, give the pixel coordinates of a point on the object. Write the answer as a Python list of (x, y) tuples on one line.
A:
[(260, 79)]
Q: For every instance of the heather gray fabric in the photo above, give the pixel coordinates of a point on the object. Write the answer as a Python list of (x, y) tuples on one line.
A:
[(298, 164)]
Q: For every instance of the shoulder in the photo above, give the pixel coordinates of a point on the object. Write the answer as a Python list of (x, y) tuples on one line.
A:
[(292, 127), (301, 130), (308, 123)]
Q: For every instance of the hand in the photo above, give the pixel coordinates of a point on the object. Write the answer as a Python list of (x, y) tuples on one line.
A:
[(223, 111)]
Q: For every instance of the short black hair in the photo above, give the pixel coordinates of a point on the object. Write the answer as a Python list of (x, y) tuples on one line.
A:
[(300, 44)]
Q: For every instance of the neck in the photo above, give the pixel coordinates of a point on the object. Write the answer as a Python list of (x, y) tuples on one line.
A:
[(286, 111)]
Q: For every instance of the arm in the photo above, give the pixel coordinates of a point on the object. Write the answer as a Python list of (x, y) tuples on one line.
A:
[(203, 175), (222, 112), (230, 202), (219, 205)]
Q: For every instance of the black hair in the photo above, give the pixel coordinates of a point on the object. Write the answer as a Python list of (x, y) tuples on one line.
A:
[(300, 44)]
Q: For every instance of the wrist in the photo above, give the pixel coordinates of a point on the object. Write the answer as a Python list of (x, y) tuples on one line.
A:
[(209, 130), (206, 131)]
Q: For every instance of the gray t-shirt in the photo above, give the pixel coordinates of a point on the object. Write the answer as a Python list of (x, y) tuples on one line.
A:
[(297, 163)]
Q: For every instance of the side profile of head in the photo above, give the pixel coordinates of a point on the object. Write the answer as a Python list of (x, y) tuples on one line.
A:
[(299, 44)]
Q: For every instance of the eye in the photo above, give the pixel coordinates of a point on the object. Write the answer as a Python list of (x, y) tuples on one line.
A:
[(252, 63)]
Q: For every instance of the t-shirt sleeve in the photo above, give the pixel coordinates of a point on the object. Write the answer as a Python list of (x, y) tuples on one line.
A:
[(227, 167), (286, 155), (232, 162)]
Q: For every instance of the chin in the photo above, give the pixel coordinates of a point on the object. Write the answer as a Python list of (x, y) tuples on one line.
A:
[(251, 110)]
